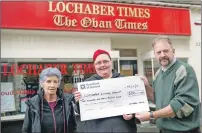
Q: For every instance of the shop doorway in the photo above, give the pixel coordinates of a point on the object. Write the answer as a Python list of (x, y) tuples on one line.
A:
[(125, 67), (127, 63), (128, 67)]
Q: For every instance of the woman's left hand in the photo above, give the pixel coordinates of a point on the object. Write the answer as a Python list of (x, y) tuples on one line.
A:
[(127, 116)]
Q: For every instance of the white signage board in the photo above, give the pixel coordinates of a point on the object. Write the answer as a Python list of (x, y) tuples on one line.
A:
[(7, 97), (112, 97)]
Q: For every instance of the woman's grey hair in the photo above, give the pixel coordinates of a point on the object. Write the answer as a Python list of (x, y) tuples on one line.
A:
[(50, 72)]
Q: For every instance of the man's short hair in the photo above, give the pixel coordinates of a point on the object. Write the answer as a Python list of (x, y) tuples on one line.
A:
[(159, 38)]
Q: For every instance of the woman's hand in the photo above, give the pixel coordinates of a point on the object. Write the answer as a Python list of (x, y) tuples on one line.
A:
[(127, 116), (77, 96)]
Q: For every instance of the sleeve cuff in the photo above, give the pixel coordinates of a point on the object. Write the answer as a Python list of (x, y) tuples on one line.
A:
[(181, 110)]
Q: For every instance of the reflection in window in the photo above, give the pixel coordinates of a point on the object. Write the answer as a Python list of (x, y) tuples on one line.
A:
[(21, 81), (6, 76)]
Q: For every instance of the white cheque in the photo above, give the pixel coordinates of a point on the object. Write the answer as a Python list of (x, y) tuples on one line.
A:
[(112, 97)]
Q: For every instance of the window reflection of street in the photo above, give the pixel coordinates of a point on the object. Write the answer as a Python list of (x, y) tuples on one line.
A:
[(25, 78)]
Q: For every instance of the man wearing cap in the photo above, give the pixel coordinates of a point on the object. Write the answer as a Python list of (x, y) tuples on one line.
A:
[(126, 123)]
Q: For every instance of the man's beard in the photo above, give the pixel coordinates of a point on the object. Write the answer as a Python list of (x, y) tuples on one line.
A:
[(164, 58)]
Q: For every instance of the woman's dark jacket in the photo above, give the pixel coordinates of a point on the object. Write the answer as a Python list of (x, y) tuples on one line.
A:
[(35, 115)]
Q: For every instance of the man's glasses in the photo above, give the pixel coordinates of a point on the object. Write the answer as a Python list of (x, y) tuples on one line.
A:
[(105, 62)]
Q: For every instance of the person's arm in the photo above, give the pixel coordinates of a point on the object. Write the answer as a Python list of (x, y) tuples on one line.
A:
[(77, 108), (26, 128), (77, 96), (72, 121), (162, 113), (166, 112), (186, 99), (150, 93), (149, 89)]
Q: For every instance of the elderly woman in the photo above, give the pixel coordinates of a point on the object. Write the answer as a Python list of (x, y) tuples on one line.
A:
[(50, 111)]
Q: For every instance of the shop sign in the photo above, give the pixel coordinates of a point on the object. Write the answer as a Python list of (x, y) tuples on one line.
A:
[(83, 16), (35, 69)]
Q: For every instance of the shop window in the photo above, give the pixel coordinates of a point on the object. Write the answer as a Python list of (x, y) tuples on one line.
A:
[(115, 65), (148, 69), (128, 67), (20, 81), (8, 99), (9, 77)]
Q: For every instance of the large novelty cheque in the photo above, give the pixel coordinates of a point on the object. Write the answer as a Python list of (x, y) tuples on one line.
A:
[(112, 97)]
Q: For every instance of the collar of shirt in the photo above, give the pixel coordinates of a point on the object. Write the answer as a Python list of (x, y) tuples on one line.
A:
[(172, 62)]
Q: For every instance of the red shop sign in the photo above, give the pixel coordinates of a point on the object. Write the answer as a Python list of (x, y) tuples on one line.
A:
[(35, 69), (95, 17)]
